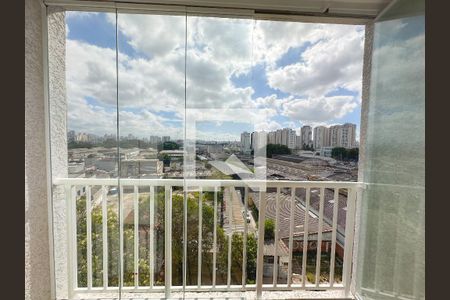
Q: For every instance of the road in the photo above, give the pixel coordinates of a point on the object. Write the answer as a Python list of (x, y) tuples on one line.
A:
[(234, 197)]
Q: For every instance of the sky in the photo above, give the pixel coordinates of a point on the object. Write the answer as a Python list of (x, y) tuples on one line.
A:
[(221, 76)]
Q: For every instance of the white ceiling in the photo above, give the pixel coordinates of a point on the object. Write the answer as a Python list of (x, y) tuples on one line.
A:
[(360, 8)]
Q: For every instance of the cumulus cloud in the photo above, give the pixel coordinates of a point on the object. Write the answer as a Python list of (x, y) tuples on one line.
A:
[(333, 62), (321, 109), (162, 35), (217, 49)]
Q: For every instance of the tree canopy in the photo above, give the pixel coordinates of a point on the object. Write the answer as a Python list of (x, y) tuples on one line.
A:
[(272, 149), (207, 212)]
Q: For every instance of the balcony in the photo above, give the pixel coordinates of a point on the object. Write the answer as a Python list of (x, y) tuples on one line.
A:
[(310, 252)]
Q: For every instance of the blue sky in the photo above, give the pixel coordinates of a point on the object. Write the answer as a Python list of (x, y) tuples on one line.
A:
[(284, 77)]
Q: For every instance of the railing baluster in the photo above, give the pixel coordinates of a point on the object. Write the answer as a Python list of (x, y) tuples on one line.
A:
[(319, 236), (168, 241), (333, 236), (89, 236), (200, 220), (121, 235), (74, 236), (214, 239), (260, 250), (136, 235), (152, 254), (185, 232), (244, 246), (105, 237), (305, 236), (291, 236), (230, 236), (349, 235), (71, 247), (275, 255)]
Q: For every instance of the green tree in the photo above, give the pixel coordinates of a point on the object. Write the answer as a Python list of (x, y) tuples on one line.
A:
[(170, 145), (273, 149), (159, 230), (269, 229)]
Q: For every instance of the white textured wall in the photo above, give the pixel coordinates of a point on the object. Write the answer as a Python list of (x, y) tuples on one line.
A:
[(37, 261), (58, 141)]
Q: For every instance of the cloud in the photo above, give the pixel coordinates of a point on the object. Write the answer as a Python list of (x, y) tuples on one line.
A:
[(153, 82), (321, 109), (162, 35), (333, 62)]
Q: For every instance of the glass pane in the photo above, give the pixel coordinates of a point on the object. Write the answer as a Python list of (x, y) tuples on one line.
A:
[(391, 248), (90, 69), (151, 76), (217, 112)]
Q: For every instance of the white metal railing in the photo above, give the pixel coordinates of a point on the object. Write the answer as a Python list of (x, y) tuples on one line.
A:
[(352, 189)]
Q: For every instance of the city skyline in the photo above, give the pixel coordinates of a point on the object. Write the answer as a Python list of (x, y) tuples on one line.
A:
[(319, 136)]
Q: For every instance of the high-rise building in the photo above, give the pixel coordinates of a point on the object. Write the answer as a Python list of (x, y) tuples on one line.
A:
[(245, 142), (258, 139), (343, 135), (278, 136), (348, 138), (288, 138), (335, 136), (284, 136), (271, 137), (306, 134), (154, 140), (165, 138), (321, 137), (298, 142), (82, 137)]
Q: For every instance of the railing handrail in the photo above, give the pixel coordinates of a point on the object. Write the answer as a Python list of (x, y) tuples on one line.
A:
[(207, 182)]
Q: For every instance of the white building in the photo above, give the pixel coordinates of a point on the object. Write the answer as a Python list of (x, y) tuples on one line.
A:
[(348, 138), (306, 134), (271, 137), (278, 136), (343, 135), (290, 138), (165, 138), (155, 140), (258, 139), (321, 137), (298, 142), (245, 142)]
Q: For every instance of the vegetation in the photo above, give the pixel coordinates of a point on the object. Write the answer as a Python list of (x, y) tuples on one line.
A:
[(124, 143), (307, 147), (166, 160), (144, 240), (169, 145), (74, 145), (341, 153), (269, 229), (273, 149)]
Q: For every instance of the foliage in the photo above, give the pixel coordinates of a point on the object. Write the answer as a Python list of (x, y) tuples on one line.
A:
[(111, 143), (75, 144), (341, 153), (307, 147), (269, 229), (166, 160), (273, 149), (170, 145), (159, 230)]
